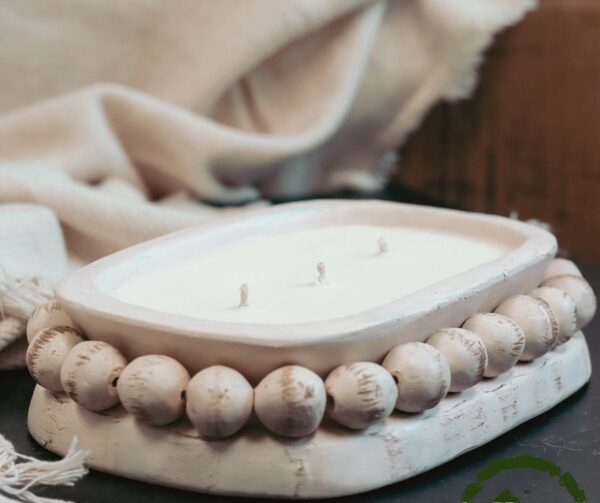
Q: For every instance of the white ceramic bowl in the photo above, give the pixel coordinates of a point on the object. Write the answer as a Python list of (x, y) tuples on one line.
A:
[(256, 349)]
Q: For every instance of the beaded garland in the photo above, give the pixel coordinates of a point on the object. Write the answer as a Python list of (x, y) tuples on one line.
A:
[(292, 400)]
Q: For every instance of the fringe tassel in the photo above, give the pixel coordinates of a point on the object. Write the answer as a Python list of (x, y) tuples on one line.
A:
[(17, 478), (20, 296), (11, 329)]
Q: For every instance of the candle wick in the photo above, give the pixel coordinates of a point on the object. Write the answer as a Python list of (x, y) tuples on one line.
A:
[(244, 295), (321, 278), (383, 246)]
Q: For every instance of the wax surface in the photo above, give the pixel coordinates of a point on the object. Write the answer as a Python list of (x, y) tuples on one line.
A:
[(281, 273)]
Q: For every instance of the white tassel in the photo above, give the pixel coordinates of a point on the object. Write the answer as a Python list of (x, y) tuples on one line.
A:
[(11, 329), (17, 478), (20, 296)]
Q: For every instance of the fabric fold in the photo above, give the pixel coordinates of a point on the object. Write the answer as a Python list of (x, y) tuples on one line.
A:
[(127, 120)]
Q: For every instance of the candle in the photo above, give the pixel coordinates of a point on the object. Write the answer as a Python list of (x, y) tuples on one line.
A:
[(307, 275)]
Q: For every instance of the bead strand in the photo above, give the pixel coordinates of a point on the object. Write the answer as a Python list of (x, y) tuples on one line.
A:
[(291, 401)]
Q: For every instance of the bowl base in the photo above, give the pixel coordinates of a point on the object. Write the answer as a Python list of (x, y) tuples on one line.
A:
[(332, 462)]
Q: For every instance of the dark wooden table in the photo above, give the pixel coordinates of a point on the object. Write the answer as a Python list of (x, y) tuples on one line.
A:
[(568, 435)]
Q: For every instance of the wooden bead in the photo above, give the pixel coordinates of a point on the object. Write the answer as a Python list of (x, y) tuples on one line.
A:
[(562, 306), (503, 339), (465, 353), (580, 291), (152, 388), (219, 401), (90, 372), (422, 375), (361, 394), (46, 353), (560, 266), (290, 401), (537, 322), (48, 315)]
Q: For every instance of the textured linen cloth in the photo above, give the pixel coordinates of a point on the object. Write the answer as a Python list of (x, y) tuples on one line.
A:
[(119, 118)]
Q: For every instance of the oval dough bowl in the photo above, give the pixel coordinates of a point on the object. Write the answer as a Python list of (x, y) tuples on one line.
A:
[(257, 348), (493, 259)]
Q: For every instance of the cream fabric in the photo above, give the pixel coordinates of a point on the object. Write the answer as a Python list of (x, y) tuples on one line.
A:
[(122, 116)]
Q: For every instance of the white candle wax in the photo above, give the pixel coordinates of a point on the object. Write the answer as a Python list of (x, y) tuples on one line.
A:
[(280, 272)]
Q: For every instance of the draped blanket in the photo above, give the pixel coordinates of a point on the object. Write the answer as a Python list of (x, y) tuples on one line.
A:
[(119, 121)]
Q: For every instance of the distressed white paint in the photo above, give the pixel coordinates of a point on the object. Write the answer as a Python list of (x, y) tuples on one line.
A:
[(332, 462)]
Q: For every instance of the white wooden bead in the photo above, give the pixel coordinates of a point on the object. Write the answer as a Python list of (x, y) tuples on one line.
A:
[(48, 315), (361, 393), (503, 339), (537, 322), (580, 291), (46, 353), (563, 307), (90, 372), (219, 401), (422, 375), (290, 401), (560, 266), (465, 353), (152, 388)]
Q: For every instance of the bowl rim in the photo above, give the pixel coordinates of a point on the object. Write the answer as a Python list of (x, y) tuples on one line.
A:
[(81, 296)]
